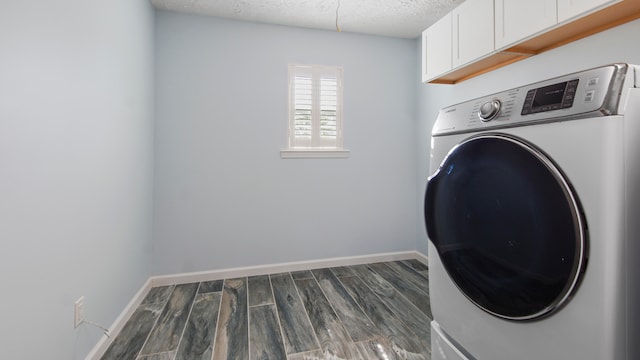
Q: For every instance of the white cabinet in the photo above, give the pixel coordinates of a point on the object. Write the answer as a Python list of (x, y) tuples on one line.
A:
[(472, 31), (436, 49), (568, 9), (481, 35), (518, 19)]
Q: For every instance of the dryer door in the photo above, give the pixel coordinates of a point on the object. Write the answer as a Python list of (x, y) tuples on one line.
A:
[(507, 226)]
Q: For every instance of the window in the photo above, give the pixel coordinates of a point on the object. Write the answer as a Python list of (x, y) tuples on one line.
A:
[(315, 112)]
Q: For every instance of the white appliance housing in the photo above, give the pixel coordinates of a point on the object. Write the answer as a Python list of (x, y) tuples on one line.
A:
[(584, 128)]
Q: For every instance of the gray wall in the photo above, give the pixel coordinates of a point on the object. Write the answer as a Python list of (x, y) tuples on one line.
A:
[(76, 112), (224, 198), (619, 44)]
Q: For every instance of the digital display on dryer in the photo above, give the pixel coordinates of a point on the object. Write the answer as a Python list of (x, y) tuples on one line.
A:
[(550, 97)]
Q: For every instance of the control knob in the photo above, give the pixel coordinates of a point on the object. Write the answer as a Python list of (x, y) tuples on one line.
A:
[(489, 110)]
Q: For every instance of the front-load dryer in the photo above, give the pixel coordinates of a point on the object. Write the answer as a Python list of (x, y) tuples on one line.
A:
[(533, 217)]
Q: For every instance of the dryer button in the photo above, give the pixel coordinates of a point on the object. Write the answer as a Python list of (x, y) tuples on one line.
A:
[(589, 95)]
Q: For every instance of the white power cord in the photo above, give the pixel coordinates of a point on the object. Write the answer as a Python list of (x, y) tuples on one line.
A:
[(104, 329)]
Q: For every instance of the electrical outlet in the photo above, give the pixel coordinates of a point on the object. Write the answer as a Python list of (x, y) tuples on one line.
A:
[(78, 312)]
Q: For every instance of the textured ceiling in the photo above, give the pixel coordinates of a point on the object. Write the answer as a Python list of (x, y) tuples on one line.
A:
[(396, 18)]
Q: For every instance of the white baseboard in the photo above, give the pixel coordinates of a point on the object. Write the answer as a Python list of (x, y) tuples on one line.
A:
[(422, 258), (282, 267), (183, 278), (115, 328)]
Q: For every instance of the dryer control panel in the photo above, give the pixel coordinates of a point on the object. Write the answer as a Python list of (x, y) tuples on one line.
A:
[(594, 92), (551, 97)]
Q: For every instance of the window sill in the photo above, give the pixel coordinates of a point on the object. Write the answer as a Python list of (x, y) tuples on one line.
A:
[(314, 153)]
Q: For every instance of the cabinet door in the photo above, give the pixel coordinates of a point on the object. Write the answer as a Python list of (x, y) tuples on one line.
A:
[(473, 25), (519, 19), (436, 49), (568, 9)]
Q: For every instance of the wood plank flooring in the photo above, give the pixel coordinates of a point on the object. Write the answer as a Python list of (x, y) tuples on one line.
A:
[(375, 311)]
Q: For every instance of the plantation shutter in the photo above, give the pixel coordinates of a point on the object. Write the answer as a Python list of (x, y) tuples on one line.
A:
[(315, 107)]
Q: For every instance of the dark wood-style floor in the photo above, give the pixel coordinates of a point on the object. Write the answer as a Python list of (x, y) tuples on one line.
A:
[(375, 311)]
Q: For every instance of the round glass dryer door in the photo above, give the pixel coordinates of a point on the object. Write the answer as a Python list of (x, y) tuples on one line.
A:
[(507, 227)]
